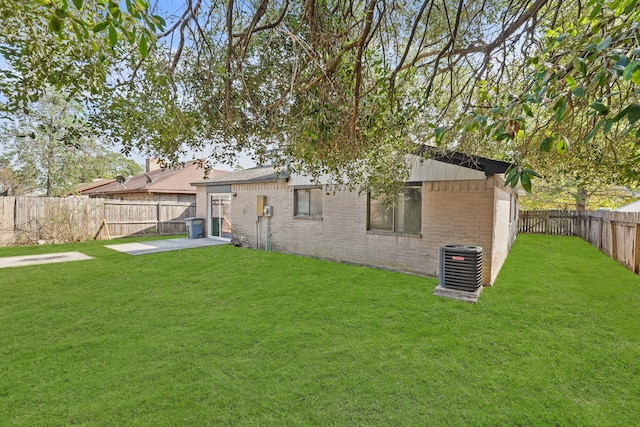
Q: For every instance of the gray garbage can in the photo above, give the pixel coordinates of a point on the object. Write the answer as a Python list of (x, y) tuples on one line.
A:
[(194, 227)]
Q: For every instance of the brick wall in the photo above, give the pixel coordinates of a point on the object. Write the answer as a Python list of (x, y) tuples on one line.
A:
[(468, 212), (459, 213)]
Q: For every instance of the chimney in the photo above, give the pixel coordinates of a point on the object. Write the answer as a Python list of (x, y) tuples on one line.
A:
[(152, 164)]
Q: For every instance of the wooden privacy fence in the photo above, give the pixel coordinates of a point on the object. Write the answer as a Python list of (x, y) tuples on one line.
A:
[(28, 220), (556, 223), (615, 233), (127, 218)]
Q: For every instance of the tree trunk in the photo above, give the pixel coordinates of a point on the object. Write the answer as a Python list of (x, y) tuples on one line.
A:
[(581, 200)]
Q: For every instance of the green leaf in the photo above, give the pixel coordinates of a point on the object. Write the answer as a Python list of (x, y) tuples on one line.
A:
[(526, 182), (511, 176), (61, 13), (596, 10), (600, 108), (630, 69), (591, 134), (560, 107), (634, 113), (635, 78), (131, 35), (113, 35), (621, 114), (471, 127), (78, 4), (143, 46), (562, 146), (580, 65), (531, 172), (602, 79), (630, 7), (579, 91), (545, 145), (570, 81), (77, 29), (439, 132), (101, 26), (607, 126), (141, 5), (55, 25), (159, 21), (604, 43)]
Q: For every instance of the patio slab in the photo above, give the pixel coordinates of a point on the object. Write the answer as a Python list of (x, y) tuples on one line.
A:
[(472, 297), (19, 261), (143, 248)]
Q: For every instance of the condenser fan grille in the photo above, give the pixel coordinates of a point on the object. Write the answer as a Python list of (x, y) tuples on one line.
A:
[(461, 267)]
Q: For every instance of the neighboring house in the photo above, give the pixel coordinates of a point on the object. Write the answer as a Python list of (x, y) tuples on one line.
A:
[(631, 207), (156, 184), (452, 199), (93, 185)]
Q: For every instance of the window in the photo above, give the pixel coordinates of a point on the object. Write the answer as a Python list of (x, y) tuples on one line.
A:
[(404, 217), (308, 202)]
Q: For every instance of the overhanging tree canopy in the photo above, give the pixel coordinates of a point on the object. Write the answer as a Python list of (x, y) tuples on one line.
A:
[(349, 88)]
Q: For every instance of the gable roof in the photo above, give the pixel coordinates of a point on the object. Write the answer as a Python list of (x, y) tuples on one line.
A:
[(264, 174), (168, 181), (483, 164), (258, 174)]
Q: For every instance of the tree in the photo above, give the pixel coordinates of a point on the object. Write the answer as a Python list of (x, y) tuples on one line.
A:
[(72, 46), (350, 88), (52, 149)]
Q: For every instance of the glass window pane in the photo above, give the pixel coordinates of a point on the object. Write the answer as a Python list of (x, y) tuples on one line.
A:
[(380, 218), (315, 196), (302, 202), (408, 218)]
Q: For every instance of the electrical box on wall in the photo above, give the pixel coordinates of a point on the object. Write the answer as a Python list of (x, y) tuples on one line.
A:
[(268, 211), (262, 202)]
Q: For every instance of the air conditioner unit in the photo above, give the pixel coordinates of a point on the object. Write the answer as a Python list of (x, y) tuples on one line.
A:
[(461, 267)]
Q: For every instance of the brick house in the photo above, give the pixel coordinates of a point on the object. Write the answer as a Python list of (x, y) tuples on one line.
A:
[(449, 199), (155, 184)]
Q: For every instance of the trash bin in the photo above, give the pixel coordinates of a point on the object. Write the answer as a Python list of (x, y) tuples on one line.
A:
[(194, 227)]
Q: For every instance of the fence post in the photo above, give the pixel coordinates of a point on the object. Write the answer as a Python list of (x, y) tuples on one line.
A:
[(614, 243), (636, 247), (600, 227), (546, 223), (158, 219)]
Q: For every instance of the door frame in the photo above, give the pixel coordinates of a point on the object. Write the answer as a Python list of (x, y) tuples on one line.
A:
[(210, 197)]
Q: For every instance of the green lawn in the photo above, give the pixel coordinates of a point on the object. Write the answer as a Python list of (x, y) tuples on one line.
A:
[(230, 336)]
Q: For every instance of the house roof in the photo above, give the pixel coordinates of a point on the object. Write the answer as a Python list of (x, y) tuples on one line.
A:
[(244, 176), (270, 174), (488, 166), (170, 180), (631, 207), (92, 185)]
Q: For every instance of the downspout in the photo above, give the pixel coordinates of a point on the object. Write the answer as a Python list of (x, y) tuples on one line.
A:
[(257, 233)]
